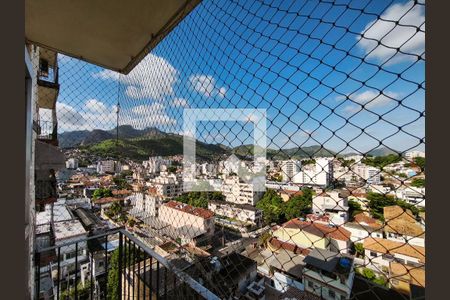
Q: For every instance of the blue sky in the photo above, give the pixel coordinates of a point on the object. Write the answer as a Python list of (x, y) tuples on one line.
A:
[(301, 61)]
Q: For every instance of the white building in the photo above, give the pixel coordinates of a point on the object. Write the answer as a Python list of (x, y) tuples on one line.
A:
[(188, 221), (318, 173), (413, 154), (289, 169), (146, 204), (154, 164), (412, 195), (328, 275), (72, 163), (244, 213), (333, 204), (166, 185), (380, 252), (108, 166), (370, 174), (240, 192)]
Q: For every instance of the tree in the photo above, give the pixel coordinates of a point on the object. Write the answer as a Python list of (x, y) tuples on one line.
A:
[(418, 182), (354, 208), (359, 248), (101, 193), (377, 202), (271, 205), (298, 206), (420, 162), (382, 161)]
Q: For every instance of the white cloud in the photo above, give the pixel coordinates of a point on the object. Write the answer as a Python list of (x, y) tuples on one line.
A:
[(207, 86), (94, 114), (370, 99), (404, 35), (180, 102), (146, 115), (154, 77)]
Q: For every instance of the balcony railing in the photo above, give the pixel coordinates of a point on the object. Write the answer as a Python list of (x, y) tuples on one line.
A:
[(48, 131), (112, 265)]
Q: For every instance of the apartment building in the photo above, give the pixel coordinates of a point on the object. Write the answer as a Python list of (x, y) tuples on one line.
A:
[(146, 203), (244, 213), (72, 163), (334, 204), (369, 174), (413, 154), (319, 173), (289, 169), (238, 192), (328, 275), (166, 185), (108, 166), (154, 164)]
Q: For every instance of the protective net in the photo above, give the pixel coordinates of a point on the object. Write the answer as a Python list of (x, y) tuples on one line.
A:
[(340, 89)]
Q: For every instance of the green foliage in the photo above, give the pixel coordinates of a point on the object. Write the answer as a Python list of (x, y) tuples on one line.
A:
[(359, 248), (121, 183), (405, 205), (172, 169), (377, 202), (135, 255), (200, 199), (83, 291), (382, 161), (418, 182), (420, 162), (298, 206), (271, 205), (277, 178), (346, 162), (308, 161), (101, 193), (368, 273), (354, 207), (131, 222)]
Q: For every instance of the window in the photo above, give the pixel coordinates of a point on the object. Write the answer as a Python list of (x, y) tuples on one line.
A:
[(100, 264), (310, 284), (331, 293), (373, 254)]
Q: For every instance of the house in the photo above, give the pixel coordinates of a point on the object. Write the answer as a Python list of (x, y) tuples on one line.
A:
[(334, 203), (364, 226), (401, 225), (189, 222), (379, 253), (405, 278), (328, 274), (308, 235)]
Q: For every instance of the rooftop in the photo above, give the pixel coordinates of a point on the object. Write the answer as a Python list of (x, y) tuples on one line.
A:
[(388, 246), (196, 211), (318, 229), (414, 275), (68, 229)]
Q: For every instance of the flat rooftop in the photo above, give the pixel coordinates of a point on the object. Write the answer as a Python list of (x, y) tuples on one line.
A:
[(68, 229)]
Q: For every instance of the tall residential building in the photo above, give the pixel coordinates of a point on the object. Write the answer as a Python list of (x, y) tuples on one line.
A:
[(72, 163), (370, 174), (239, 192), (155, 163), (289, 169), (108, 166), (318, 173)]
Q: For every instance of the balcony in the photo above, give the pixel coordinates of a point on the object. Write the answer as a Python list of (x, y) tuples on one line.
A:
[(112, 265)]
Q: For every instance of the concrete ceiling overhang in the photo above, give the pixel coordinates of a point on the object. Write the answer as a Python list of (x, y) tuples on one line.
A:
[(114, 34)]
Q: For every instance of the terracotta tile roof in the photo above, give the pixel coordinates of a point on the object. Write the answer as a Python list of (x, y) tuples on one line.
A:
[(364, 218), (197, 211), (318, 229), (277, 244), (316, 218), (414, 275), (107, 200), (121, 192), (390, 247), (402, 222)]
